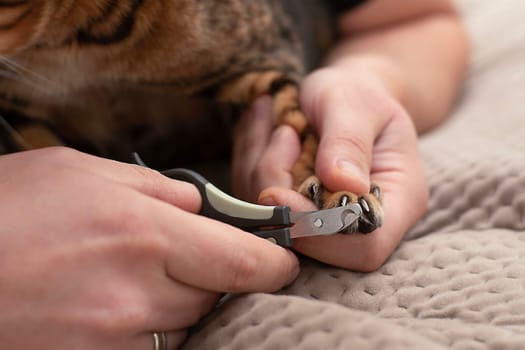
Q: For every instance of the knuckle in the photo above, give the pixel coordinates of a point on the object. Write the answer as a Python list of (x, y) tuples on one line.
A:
[(149, 178), (59, 154), (144, 172), (134, 231)]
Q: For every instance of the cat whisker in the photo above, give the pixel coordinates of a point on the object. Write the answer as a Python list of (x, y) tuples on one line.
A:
[(8, 74), (29, 76), (17, 66)]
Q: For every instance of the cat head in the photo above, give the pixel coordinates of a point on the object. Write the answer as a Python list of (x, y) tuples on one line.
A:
[(78, 41), (62, 23)]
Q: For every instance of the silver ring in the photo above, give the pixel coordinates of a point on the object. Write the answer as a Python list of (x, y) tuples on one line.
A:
[(160, 341)]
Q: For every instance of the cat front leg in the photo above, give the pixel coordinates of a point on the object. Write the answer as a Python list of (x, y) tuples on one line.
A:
[(284, 91)]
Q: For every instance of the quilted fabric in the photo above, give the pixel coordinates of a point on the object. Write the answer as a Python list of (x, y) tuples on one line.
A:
[(458, 279)]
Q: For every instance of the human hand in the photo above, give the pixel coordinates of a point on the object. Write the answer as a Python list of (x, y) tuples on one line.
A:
[(365, 137), (96, 254)]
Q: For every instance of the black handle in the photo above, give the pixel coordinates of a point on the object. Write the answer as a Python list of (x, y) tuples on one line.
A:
[(247, 216), (223, 207)]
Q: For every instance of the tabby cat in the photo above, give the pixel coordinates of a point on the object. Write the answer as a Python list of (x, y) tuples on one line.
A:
[(113, 76)]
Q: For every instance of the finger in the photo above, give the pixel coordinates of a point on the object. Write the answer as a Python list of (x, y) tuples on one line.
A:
[(211, 255), (345, 147), (401, 176), (276, 163), (142, 179), (251, 138), (347, 129)]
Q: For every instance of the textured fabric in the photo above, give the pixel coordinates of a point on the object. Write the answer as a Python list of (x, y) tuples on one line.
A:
[(458, 279)]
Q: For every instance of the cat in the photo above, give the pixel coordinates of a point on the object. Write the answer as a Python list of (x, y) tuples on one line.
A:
[(107, 76)]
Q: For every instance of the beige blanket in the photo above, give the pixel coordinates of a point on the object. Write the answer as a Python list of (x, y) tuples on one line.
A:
[(458, 280)]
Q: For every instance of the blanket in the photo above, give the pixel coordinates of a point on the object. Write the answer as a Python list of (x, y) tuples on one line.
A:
[(457, 281)]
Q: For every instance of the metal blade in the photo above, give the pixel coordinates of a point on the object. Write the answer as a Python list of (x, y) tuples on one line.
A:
[(324, 222)]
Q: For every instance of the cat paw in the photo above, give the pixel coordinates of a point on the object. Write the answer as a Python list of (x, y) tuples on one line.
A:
[(370, 203)]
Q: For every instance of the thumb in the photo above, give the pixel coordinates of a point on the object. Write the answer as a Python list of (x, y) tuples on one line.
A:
[(343, 161), (346, 141)]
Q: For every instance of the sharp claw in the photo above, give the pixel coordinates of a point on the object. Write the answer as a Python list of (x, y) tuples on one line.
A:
[(314, 189), (364, 205), (344, 201), (315, 192), (376, 192)]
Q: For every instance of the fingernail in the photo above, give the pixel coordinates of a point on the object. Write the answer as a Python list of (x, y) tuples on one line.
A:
[(352, 169)]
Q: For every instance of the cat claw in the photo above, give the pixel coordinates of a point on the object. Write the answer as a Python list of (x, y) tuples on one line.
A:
[(370, 203)]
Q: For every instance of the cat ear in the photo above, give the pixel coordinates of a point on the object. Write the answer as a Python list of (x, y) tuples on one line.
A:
[(20, 24)]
